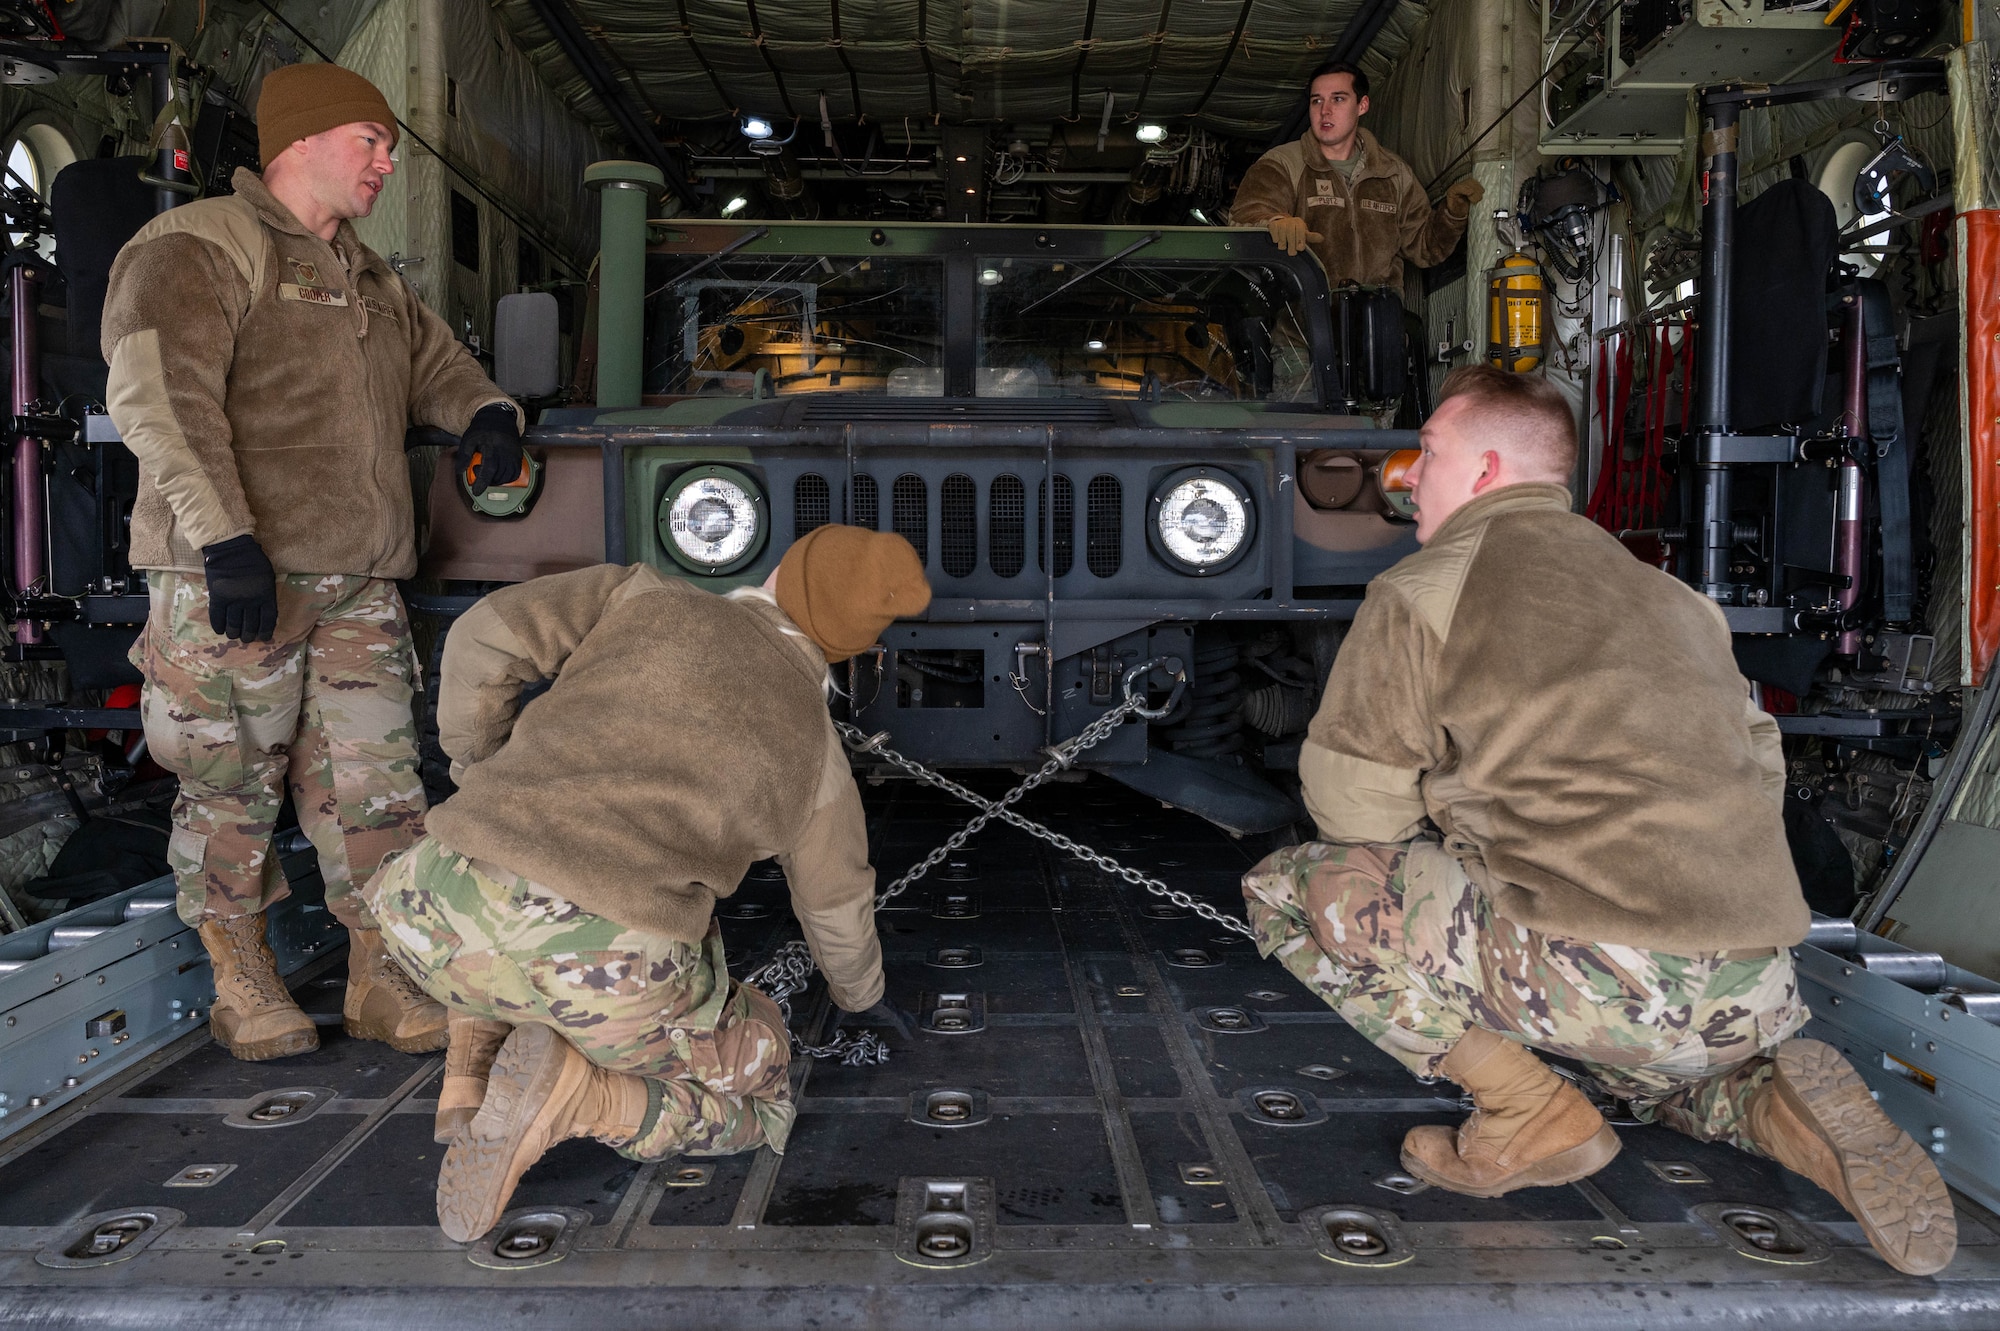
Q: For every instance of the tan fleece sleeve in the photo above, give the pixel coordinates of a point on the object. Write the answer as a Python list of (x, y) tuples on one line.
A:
[(833, 888), (1356, 801), (447, 387), (507, 639), (1374, 736), (1266, 192), (1429, 234), (170, 320), (1767, 746)]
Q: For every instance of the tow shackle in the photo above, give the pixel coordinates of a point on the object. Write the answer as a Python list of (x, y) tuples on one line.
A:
[(1135, 680)]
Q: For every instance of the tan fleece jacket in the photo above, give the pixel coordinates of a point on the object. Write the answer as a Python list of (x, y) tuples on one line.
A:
[(1368, 223), (1572, 721), (264, 378), (685, 737)]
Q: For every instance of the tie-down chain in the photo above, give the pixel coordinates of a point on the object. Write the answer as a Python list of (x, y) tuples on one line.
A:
[(792, 967)]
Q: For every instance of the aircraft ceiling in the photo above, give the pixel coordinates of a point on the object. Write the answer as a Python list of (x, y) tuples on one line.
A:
[(1231, 66)]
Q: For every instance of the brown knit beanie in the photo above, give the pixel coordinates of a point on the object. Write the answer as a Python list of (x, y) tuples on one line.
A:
[(844, 585), (299, 101)]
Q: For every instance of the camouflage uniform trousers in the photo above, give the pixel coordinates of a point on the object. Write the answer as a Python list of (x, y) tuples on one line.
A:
[(1400, 941), (326, 704), (714, 1053)]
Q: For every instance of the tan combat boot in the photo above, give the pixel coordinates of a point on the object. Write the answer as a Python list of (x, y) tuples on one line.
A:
[(384, 1004), (468, 1060), (254, 1016), (1816, 1118), (1531, 1128), (541, 1091)]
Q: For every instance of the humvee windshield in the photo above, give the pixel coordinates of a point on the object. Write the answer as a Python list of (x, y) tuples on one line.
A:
[(758, 324), (1131, 329), (762, 325)]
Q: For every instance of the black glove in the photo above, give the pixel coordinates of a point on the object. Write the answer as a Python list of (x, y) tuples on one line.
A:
[(242, 589), (887, 1013), (495, 435)]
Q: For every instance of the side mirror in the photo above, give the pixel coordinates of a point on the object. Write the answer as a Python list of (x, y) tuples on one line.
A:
[(525, 342)]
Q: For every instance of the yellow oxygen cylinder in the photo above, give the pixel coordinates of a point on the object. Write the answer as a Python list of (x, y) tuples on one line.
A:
[(1514, 314)]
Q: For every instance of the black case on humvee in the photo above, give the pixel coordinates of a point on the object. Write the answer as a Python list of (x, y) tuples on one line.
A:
[(1368, 341)]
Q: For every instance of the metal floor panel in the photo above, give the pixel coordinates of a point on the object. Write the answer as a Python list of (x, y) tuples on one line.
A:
[(1116, 1170)]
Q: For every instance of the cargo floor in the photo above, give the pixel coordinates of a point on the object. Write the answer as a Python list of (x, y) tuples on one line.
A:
[(1145, 1126)]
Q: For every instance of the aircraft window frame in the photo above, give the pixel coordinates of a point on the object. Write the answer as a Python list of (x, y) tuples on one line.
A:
[(1836, 180), (45, 150)]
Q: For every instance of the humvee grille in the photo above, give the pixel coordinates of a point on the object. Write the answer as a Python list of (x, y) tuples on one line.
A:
[(816, 502), (867, 504), (958, 515), (1104, 526), (1058, 560), (910, 512), (1007, 525), (812, 504)]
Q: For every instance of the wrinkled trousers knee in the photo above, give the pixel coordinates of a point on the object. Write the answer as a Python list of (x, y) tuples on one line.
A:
[(325, 706), (1405, 947), (715, 1053)]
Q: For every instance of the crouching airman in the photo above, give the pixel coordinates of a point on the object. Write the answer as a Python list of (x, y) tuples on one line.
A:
[(1551, 819), (560, 905)]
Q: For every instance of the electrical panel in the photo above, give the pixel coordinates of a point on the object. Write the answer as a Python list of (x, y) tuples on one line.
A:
[(1623, 70), (225, 137)]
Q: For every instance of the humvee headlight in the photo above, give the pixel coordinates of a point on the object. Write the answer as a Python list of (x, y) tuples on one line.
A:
[(712, 520), (1202, 520)]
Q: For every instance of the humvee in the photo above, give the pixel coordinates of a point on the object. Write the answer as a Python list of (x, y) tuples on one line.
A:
[(1109, 446)]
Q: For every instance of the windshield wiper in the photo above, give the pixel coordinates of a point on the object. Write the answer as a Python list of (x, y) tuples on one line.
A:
[(754, 233), (1096, 268)]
